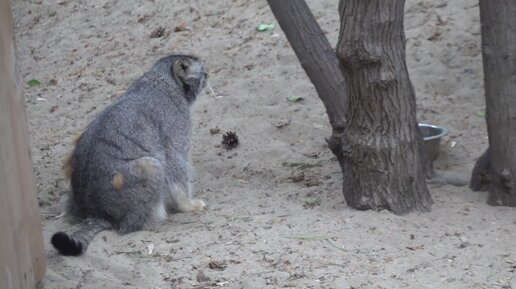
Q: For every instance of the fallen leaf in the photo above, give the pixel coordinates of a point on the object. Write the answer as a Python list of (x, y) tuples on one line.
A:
[(144, 18), (312, 181), (182, 27), (434, 36), (33, 82), (158, 32), (311, 203), (265, 27), (294, 98), (232, 261), (312, 155), (388, 259), (217, 265)]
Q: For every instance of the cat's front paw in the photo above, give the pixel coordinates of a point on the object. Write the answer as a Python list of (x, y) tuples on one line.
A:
[(198, 205)]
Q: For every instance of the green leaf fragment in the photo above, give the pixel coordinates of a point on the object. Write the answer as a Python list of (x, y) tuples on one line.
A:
[(265, 27), (294, 98), (481, 113), (33, 82)]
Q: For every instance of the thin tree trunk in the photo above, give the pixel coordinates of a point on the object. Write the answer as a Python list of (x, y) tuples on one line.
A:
[(383, 164), (480, 176), (498, 20), (319, 61)]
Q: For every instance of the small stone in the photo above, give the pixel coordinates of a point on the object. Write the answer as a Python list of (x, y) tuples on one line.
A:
[(312, 181), (201, 277), (52, 82), (217, 265), (463, 245), (282, 123), (214, 130), (298, 177)]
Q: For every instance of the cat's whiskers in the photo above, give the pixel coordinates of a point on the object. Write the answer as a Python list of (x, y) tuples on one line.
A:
[(212, 92)]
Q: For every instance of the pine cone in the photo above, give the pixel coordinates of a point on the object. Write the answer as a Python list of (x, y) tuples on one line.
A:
[(229, 140)]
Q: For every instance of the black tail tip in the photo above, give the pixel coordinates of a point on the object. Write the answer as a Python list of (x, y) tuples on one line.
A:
[(65, 245)]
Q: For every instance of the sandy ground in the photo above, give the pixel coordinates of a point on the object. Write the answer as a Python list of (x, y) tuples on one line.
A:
[(262, 229)]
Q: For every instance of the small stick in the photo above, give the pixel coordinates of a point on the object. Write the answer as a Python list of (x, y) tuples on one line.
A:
[(208, 84)]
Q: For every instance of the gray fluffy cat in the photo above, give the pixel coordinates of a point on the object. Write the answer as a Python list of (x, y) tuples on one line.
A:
[(131, 163)]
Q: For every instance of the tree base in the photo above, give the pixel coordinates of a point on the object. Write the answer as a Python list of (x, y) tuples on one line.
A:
[(502, 190), (481, 174), (384, 177)]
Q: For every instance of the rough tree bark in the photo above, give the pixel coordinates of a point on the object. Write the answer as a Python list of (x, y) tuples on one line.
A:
[(382, 166), (383, 163), (319, 61), (496, 168)]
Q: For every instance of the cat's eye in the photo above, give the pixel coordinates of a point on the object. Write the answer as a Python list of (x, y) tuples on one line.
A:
[(184, 66)]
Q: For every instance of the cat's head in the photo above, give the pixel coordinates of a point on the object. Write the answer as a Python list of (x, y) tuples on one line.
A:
[(187, 71)]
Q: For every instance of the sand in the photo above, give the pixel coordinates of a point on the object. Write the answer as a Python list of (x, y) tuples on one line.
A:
[(262, 228)]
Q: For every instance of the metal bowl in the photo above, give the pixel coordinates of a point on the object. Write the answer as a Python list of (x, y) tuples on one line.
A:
[(432, 135)]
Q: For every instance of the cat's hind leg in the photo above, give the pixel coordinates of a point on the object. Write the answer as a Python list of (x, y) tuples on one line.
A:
[(141, 188)]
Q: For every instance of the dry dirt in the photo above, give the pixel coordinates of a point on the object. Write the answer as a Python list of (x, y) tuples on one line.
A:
[(262, 229)]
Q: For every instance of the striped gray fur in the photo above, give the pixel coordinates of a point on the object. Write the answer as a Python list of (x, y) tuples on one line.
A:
[(131, 164)]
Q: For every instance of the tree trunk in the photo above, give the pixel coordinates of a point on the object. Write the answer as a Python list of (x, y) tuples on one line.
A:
[(319, 61), (499, 57), (383, 163)]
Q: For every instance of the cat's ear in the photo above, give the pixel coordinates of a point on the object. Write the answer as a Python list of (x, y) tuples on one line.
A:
[(180, 67), (190, 75)]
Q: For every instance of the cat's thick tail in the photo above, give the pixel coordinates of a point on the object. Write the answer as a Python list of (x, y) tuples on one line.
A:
[(76, 243)]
